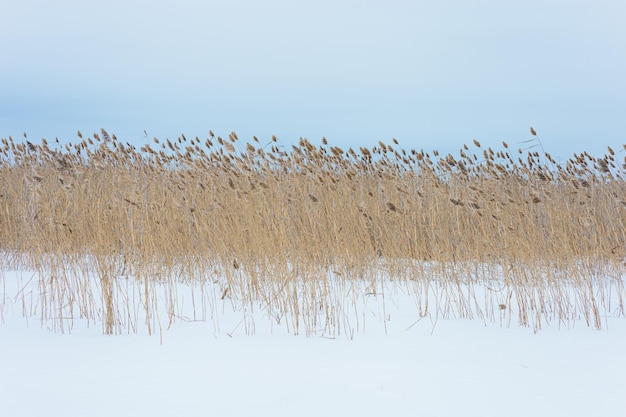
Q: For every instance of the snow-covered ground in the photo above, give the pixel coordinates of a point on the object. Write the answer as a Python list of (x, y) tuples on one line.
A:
[(447, 367)]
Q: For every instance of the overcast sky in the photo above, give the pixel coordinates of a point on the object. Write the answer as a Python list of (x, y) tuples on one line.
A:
[(433, 74)]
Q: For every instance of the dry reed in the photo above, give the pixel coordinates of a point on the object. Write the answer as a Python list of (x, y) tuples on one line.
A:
[(292, 230)]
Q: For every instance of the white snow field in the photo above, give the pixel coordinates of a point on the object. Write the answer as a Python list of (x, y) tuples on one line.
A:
[(238, 363)]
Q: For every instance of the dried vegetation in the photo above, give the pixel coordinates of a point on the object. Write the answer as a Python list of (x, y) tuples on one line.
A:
[(291, 231)]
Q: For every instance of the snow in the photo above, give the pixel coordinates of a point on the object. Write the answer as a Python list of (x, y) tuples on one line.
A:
[(446, 367)]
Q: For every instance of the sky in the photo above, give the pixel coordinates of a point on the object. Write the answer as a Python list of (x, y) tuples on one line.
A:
[(434, 75)]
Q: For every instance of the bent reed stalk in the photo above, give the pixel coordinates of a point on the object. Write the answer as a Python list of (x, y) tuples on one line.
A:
[(290, 231)]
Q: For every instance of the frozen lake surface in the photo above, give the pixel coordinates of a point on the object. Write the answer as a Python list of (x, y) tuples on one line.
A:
[(449, 367)]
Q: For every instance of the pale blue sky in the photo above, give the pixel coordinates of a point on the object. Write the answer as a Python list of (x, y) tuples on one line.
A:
[(433, 74)]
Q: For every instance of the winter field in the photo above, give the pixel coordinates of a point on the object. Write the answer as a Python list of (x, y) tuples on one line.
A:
[(395, 364), (211, 278)]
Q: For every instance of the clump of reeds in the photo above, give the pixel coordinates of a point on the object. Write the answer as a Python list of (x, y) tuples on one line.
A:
[(284, 228)]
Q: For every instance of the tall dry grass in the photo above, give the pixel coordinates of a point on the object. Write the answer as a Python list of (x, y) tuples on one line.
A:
[(288, 229)]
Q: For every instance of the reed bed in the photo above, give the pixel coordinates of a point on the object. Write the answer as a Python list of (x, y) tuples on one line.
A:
[(113, 231)]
